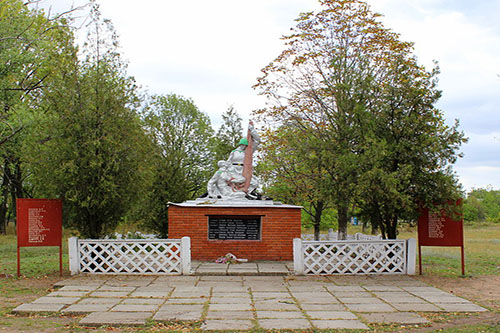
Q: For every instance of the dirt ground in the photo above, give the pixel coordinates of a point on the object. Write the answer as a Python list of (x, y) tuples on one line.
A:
[(482, 290)]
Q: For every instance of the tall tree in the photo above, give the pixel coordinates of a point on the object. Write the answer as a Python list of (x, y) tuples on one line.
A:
[(33, 48), (293, 171), (93, 145), (182, 155), (333, 83)]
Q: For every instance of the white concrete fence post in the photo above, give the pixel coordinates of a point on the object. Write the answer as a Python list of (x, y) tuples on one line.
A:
[(411, 256), (186, 255), (74, 257), (298, 257)]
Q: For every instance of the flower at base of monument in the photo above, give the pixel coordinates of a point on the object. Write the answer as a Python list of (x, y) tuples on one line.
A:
[(227, 259)]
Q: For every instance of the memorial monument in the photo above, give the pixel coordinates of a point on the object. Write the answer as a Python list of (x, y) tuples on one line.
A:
[(232, 217)]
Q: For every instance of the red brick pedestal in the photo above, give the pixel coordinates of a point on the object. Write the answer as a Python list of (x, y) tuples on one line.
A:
[(280, 224)]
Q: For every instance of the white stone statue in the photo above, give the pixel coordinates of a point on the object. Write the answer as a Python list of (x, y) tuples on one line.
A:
[(235, 180)]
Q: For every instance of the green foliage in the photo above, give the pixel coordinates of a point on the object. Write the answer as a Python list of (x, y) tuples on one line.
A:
[(228, 135), (182, 155), (93, 144), (353, 94), (482, 205), (33, 49)]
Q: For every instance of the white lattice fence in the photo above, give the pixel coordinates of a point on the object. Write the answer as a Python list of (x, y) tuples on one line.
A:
[(334, 236), (354, 257), (132, 256)]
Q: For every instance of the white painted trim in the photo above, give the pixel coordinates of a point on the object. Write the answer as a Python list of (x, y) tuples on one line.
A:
[(411, 261)]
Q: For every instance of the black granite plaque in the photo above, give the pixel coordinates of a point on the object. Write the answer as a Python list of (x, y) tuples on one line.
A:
[(234, 227)]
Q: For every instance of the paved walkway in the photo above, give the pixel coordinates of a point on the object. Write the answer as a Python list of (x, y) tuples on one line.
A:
[(249, 268), (249, 302)]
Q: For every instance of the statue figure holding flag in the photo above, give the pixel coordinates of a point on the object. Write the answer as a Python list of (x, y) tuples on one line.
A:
[(235, 180)]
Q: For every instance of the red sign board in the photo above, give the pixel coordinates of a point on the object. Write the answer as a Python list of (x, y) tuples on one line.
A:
[(39, 223), (439, 229)]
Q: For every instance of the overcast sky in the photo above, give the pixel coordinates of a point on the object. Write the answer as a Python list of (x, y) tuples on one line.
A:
[(212, 52)]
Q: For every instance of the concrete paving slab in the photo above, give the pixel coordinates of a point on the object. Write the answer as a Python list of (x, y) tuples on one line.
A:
[(231, 300), (192, 289), (168, 279), (226, 324), (422, 289), (276, 305), (382, 288), (360, 300), (212, 278), (388, 294), (267, 279), (461, 307), (68, 293), (235, 270), (221, 285), (349, 288), (410, 299), (156, 287), (178, 315), (323, 315), (418, 307), (78, 288), (370, 307), (279, 314), (229, 289), (271, 324), (150, 294), (404, 283), (109, 294), (179, 312), (317, 300), (339, 324), (135, 308), (198, 300), (107, 287), (56, 300), (156, 301), (115, 318), (230, 307), (229, 315), (271, 295), (130, 281), (395, 317), (312, 288), (272, 268), (38, 307), (445, 299), (222, 294), (100, 300), (86, 308), (323, 307), (180, 308), (351, 294), (268, 287)]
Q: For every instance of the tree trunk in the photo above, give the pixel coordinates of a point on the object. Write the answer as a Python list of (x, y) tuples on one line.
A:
[(4, 198), (392, 230), (343, 220), (375, 220), (317, 219)]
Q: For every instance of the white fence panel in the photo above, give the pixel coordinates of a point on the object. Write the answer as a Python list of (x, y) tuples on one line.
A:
[(334, 236), (131, 256), (354, 257)]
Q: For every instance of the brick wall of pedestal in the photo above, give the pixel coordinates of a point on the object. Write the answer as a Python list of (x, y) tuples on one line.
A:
[(279, 226)]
